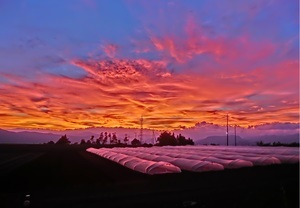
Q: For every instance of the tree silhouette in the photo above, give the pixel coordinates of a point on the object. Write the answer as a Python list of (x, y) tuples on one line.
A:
[(51, 142), (114, 138), (105, 138), (135, 142), (109, 137), (98, 141), (101, 138), (125, 139), (190, 141), (92, 140), (166, 138), (63, 140), (183, 141)]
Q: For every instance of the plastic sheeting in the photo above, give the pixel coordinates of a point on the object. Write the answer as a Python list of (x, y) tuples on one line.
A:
[(137, 164), (183, 163), (208, 163), (169, 159), (257, 155)]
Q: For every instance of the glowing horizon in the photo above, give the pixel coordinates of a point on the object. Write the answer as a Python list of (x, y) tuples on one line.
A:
[(175, 69)]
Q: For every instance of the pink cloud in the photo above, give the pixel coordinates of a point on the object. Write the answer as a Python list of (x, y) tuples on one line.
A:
[(118, 92), (110, 50)]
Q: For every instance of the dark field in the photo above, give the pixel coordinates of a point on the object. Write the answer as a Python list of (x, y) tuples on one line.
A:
[(71, 177)]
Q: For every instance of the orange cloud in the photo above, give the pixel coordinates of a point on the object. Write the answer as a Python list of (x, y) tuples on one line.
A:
[(118, 92)]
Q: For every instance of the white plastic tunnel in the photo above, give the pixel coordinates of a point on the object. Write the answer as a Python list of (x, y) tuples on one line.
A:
[(136, 164)]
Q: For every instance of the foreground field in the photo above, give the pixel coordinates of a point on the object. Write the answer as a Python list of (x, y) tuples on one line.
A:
[(71, 177)]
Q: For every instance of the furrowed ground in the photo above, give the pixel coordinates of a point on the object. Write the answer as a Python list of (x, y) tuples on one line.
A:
[(58, 176)]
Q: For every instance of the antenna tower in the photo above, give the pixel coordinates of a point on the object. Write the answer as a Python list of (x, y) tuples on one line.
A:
[(153, 137), (227, 130), (141, 130), (235, 135)]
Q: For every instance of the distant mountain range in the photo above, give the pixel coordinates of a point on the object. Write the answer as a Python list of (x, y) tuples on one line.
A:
[(28, 137), (222, 140), (290, 138)]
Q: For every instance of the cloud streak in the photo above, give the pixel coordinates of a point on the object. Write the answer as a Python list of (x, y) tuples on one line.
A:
[(117, 92), (166, 62)]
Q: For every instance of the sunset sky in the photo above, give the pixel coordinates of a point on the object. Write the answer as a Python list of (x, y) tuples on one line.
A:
[(68, 64)]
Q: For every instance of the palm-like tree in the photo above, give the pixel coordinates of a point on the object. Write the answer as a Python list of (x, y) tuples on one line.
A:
[(101, 138), (109, 137), (125, 139), (105, 138), (114, 138), (92, 140)]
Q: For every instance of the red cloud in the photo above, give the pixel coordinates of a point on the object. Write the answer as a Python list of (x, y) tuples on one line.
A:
[(118, 92), (110, 50)]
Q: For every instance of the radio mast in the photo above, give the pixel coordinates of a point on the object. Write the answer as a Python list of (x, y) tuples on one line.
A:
[(141, 130), (235, 135), (153, 137), (227, 130)]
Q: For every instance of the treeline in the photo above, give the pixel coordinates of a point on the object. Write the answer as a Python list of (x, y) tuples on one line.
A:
[(277, 144), (167, 138), (108, 139), (103, 140)]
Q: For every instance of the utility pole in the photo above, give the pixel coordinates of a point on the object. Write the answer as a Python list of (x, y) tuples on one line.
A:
[(227, 130), (153, 137), (141, 130), (235, 135)]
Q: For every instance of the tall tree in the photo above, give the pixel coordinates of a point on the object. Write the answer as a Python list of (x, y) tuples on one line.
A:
[(114, 138), (92, 140), (63, 140), (183, 141), (166, 138), (109, 137), (125, 139), (101, 137), (105, 138), (135, 142)]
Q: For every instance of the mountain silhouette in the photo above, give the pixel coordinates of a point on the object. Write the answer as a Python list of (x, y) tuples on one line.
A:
[(31, 137), (222, 140), (25, 137), (289, 138)]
